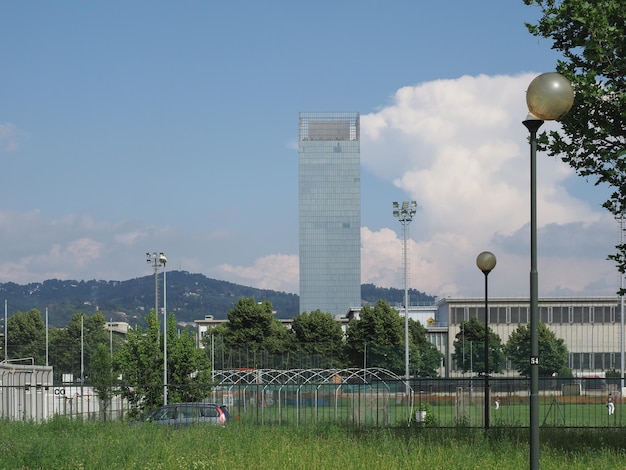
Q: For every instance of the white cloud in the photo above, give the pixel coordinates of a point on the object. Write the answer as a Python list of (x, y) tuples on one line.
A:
[(275, 272), (380, 257), (84, 250), (459, 149), (72, 247), (8, 137)]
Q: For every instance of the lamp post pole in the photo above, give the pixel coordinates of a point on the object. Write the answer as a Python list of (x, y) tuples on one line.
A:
[(6, 333), (405, 215), (156, 260), (533, 126), (163, 260), (621, 302), (549, 97), (486, 261)]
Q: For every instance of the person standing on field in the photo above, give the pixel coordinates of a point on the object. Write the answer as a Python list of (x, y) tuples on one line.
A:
[(610, 404)]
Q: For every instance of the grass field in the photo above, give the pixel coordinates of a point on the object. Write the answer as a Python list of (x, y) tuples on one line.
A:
[(74, 444), (443, 411)]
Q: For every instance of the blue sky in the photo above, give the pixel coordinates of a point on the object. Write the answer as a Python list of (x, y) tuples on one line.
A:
[(128, 127)]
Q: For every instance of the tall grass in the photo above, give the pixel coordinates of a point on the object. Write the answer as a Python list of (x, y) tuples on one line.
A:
[(64, 444)]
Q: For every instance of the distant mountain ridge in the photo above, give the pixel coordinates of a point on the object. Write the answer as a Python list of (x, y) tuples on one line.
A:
[(189, 296)]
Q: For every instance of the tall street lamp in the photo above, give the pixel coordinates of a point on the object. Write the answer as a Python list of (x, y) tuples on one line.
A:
[(549, 97), (486, 261), (405, 215), (157, 260)]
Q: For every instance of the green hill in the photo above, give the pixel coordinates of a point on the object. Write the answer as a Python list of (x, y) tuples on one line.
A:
[(189, 297)]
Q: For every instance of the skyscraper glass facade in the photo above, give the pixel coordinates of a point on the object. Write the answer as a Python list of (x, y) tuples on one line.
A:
[(329, 173)]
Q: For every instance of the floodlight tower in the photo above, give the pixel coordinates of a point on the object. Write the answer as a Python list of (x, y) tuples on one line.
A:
[(405, 215), (155, 259)]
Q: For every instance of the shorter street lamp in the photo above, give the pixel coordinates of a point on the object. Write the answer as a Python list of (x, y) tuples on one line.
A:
[(486, 261)]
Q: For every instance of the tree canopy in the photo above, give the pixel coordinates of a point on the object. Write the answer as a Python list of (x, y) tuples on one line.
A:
[(252, 323), (552, 351), (376, 338), (188, 367), (140, 364), (65, 344), (26, 336), (318, 336), (590, 36), (252, 337), (424, 358), (102, 378), (469, 348)]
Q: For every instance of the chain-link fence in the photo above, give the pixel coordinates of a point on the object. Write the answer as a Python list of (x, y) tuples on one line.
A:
[(356, 397), (374, 398)]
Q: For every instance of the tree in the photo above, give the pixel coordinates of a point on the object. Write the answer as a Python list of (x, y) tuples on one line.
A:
[(26, 336), (469, 348), (260, 338), (319, 338), (188, 367), (140, 363), (552, 351), (424, 359), (590, 35), (377, 337), (249, 322), (65, 344), (102, 378)]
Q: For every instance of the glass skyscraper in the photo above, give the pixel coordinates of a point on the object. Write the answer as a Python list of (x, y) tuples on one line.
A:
[(329, 171)]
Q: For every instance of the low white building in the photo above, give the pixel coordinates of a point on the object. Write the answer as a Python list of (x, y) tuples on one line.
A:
[(590, 327), (25, 392)]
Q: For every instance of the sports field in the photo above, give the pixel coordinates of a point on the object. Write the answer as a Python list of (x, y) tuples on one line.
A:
[(381, 409)]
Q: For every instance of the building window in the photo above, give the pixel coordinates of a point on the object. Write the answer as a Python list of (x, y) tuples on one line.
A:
[(577, 314), (515, 315), (600, 361), (612, 315), (560, 314), (585, 362), (458, 315), (570, 314)]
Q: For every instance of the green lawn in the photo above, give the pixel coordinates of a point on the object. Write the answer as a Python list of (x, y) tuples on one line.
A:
[(553, 412)]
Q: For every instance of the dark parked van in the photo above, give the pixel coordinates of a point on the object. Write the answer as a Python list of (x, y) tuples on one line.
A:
[(181, 414)]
